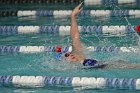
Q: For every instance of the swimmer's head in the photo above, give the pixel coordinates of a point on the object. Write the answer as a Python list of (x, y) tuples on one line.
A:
[(70, 57)]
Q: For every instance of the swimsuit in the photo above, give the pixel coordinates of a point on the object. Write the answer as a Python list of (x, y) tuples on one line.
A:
[(93, 63)]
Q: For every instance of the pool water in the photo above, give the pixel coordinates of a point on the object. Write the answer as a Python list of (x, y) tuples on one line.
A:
[(43, 64)]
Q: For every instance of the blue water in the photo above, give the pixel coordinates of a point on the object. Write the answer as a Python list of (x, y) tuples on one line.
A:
[(39, 63)]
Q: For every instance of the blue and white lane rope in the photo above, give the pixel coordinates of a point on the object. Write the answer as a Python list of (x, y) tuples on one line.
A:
[(65, 13), (89, 82), (111, 2), (41, 49), (62, 13), (65, 30)]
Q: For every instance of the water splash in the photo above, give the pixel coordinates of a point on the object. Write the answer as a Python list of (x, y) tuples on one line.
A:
[(59, 65)]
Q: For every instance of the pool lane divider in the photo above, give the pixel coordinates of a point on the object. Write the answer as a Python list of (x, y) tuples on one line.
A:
[(62, 13), (111, 2), (82, 13), (43, 49), (88, 82), (65, 30), (86, 2)]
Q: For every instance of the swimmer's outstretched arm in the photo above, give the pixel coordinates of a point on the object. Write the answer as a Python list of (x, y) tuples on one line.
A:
[(74, 32)]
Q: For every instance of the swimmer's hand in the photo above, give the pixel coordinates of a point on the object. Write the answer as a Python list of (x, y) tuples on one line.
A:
[(76, 10)]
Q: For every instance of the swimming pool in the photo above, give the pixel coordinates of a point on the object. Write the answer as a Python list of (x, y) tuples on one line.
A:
[(37, 59)]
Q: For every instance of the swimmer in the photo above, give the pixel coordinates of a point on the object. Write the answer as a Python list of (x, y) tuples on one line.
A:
[(77, 54)]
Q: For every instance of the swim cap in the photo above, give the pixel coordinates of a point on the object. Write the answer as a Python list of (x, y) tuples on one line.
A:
[(58, 56)]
